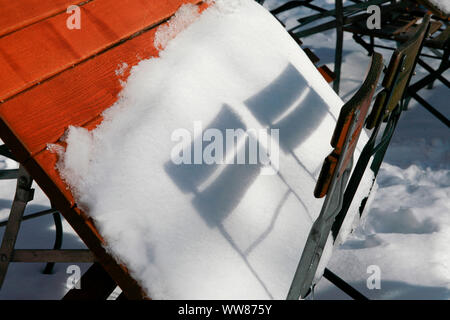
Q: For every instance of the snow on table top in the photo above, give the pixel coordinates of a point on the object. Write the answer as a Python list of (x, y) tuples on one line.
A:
[(208, 231)]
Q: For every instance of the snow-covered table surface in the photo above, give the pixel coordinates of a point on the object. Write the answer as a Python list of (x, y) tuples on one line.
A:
[(407, 229), (206, 229)]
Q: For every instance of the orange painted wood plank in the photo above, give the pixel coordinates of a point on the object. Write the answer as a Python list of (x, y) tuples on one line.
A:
[(35, 53), (41, 115), (18, 14), (77, 97), (74, 97), (87, 231)]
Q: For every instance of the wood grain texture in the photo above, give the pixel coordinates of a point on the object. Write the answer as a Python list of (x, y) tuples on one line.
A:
[(42, 114), (76, 96), (18, 14), (33, 54), (85, 228)]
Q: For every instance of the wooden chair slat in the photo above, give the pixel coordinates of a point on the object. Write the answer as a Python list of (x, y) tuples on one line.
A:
[(440, 41), (76, 96), (399, 71), (42, 114), (311, 55), (15, 15), (433, 8), (85, 228), (328, 75), (348, 128), (34, 54)]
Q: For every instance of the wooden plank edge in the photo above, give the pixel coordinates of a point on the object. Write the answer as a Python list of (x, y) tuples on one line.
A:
[(87, 231)]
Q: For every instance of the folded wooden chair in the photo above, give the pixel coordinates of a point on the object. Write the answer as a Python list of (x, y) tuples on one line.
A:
[(325, 19), (334, 176), (399, 24), (388, 106), (337, 167), (326, 73)]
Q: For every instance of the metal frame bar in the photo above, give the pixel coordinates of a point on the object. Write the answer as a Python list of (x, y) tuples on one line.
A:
[(4, 151), (338, 165), (339, 44), (344, 286), (24, 194), (380, 149), (351, 9), (58, 241), (412, 90), (340, 14), (52, 256), (32, 216), (8, 174)]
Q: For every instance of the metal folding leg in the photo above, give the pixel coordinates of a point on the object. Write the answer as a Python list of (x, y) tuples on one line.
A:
[(344, 286), (339, 44), (24, 194), (428, 80), (58, 241)]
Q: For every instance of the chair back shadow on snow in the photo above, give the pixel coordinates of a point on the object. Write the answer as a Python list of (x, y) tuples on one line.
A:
[(287, 104), (288, 91)]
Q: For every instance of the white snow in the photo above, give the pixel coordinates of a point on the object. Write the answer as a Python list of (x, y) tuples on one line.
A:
[(208, 231), (184, 17), (413, 253), (406, 234), (444, 5), (406, 231), (121, 68), (25, 280)]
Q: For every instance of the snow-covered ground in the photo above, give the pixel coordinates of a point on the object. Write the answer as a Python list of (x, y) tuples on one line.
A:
[(406, 232)]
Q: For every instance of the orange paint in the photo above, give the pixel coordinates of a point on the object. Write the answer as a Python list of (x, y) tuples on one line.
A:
[(76, 71), (44, 49)]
